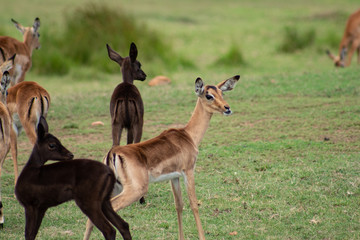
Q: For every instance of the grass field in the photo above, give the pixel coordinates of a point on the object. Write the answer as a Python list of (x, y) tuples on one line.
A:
[(285, 165)]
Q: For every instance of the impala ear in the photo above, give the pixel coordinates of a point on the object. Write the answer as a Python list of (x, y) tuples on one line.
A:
[(133, 52), (42, 128), (36, 24), (228, 84), (18, 26), (5, 82), (199, 86), (114, 55)]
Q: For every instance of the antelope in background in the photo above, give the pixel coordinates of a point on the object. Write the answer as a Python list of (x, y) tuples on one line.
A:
[(23, 50), (7, 134), (90, 183), (169, 156), (27, 102), (350, 39), (126, 105)]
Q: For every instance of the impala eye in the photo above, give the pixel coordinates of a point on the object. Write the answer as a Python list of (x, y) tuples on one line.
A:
[(52, 146), (209, 97)]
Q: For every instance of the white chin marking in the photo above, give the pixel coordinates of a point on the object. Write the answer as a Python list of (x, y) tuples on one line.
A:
[(228, 113)]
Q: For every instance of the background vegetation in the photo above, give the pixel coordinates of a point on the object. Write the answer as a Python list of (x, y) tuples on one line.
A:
[(285, 165)]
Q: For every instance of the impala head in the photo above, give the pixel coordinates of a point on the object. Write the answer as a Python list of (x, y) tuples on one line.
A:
[(5, 76), (128, 64), (30, 34), (49, 146), (339, 61), (211, 96)]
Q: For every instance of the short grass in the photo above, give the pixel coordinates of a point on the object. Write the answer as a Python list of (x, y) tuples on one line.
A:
[(285, 165)]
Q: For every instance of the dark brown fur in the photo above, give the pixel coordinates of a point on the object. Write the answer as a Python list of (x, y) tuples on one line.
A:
[(126, 105), (89, 183)]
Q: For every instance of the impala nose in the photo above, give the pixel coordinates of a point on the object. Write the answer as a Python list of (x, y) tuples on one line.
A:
[(228, 111)]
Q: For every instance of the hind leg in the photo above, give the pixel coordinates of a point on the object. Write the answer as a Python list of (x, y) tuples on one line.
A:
[(124, 199), (130, 136), (137, 138), (116, 220), (94, 211), (116, 133)]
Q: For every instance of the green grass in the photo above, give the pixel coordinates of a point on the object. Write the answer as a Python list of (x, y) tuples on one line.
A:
[(285, 165)]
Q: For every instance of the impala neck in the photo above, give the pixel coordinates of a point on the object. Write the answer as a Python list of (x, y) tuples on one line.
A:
[(127, 75), (198, 123), (35, 160), (28, 42)]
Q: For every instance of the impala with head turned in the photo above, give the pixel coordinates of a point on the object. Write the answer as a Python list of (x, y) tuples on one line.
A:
[(169, 156), (7, 133), (350, 42), (23, 50), (88, 182)]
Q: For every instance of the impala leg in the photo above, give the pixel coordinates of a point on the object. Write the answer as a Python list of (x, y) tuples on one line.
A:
[(137, 138), (190, 184), (124, 199), (1, 213), (175, 185), (130, 136), (95, 213), (13, 146), (116, 220), (30, 131), (353, 47), (33, 218), (116, 133)]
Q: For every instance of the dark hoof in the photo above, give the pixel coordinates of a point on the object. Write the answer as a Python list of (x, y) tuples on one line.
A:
[(142, 200)]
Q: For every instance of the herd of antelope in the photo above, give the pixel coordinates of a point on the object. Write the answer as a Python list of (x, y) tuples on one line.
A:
[(126, 171)]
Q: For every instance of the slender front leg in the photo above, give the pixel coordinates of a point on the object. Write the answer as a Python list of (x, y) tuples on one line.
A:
[(175, 185), (33, 218), (190, 184), (13, 147)]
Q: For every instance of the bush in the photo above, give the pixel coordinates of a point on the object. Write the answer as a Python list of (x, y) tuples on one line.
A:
[(49, 59), (83, 42), (294, 40), (90, 28), (231, 57)]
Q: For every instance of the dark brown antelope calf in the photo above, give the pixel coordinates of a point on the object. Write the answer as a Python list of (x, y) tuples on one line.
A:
[(89, 183), (126, 105)]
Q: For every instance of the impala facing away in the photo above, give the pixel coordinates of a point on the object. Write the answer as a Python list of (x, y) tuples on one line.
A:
[(27, 102), (350, 39), (7, 134), (126, 105), (23, 50), (169, 156)]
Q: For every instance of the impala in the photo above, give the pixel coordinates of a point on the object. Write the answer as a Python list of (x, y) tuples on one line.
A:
[(23, 50), (6, 132), (169, 156), (27, 102), (126, 105), (88, 182), (350, 42)]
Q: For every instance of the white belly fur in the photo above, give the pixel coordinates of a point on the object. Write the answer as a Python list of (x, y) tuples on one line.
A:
[(165, 177)]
